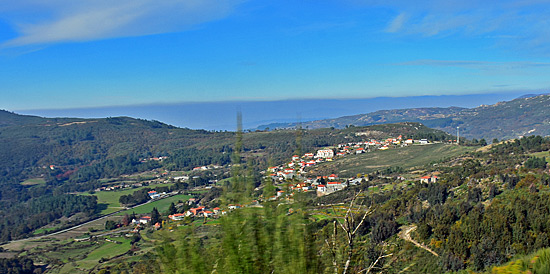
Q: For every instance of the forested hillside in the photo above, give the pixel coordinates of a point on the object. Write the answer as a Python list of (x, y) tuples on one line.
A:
[(487, 208)]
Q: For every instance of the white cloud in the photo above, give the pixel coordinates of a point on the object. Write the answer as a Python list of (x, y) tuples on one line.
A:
[(53, 21)]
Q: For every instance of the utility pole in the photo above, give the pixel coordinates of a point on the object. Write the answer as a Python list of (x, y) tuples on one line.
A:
[(457, 136)]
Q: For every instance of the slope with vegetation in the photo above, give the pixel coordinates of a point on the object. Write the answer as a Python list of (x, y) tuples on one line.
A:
[(488, 208), (68, 155)]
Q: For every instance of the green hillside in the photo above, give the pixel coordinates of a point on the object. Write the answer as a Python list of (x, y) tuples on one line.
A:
[(52, 157), (400, 157)]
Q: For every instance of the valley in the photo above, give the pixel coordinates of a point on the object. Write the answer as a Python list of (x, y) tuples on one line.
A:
[(392, 198)]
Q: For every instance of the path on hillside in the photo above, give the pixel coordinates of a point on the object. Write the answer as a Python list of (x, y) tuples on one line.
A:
[(405, 234)]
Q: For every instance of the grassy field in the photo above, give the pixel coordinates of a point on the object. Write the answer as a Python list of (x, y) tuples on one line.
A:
[(405, 157), (83, 257), (32, 182), (42, 230), (161, 205), (545, 154), (107, 250), (109, 199)]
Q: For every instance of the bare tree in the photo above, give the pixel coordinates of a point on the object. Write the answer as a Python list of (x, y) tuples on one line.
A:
[(350, 224)]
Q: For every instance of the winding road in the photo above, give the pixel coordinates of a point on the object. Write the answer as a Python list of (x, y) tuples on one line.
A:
[(405, 234)]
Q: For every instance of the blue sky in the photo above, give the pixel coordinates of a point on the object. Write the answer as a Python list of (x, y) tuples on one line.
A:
[(74, 54)]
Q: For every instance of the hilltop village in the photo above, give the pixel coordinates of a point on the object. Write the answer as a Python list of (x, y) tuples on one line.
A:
[(297, 168)]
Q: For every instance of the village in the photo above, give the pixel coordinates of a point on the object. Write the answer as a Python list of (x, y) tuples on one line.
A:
[(292, 177), (296, 169)]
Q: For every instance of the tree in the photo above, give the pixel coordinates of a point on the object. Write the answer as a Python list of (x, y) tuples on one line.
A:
[(172, 209), (126, 220), (344, 253), (110, 225), (155, 216)]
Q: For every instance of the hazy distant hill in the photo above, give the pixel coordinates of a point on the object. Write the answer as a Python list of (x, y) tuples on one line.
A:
[(527, 115), (221, 115)]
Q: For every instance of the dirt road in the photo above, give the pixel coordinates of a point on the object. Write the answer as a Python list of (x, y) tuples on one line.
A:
[(405, 234)]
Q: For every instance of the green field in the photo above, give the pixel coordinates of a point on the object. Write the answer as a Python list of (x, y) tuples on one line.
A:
[(43, 230), (161, 205), (32, 182), (85, 258), (404, 157), (108, 200), (545, 154), (107, 250)]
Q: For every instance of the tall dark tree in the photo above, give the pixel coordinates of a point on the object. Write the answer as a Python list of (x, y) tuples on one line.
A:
[(155, 216), (172, 209)]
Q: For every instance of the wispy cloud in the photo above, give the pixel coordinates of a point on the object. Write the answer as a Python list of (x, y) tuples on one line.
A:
[(525, 21), (479, 65), (396, 24), (44, 22)]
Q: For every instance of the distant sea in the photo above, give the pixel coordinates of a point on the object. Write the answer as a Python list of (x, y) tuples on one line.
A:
[(222, 115)]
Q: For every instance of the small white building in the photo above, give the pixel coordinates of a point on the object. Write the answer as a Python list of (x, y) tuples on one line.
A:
[(324, 153), (334, 186), (144, 220)]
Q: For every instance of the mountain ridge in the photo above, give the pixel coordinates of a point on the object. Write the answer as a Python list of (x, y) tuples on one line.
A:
[(526, 115)]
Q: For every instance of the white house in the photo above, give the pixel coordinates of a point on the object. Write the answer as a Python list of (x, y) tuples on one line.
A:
[(321, 188), (334, 186), (325, 153), (177, 217), (144, 220)]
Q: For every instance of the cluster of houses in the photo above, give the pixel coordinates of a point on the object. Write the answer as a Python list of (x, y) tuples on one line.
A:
[(199, 168), (200, 211), (429, 179), (324, 185), (158, 159), (142, 221), (298, 163)]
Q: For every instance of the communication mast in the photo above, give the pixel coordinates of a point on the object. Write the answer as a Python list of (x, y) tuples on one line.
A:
[(457, 136)]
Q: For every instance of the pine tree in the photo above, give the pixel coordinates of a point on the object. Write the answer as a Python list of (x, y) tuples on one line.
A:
[(172, 209), (155, 216)]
